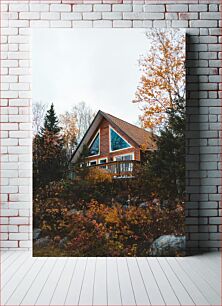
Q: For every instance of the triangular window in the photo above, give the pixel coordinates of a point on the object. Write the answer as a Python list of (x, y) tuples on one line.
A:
[(117, 142), (94, 147)]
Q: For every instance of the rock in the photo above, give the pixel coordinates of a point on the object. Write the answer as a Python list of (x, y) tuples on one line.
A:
[(168, 245), (42, 242), (143, 205), (36, 233), (62, 242)]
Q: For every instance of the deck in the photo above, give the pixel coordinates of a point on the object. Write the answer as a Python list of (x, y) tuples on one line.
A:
[(192, 280)]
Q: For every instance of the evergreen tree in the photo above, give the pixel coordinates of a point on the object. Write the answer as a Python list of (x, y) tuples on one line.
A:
[(49, 155), (164, 170), (51, 121)]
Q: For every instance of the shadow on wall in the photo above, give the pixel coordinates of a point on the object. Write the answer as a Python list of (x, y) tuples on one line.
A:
[(192, 147)]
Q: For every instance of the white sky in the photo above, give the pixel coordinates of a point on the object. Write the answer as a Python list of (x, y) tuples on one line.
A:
[(98, 66)]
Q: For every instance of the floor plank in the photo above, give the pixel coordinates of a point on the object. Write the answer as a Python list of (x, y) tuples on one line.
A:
[(75, 286), (62, 288), (86, 294), (126, 289), (208, 292), (48, 290), (19, 292), (166, 289), (113, 286), (100, 284), (190, 286), (153, 290), (137, 281), (180, 291)]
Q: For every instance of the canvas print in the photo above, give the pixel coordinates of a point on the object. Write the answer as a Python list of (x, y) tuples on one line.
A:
[(108, 142)]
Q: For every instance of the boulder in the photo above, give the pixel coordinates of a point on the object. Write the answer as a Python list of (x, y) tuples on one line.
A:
[(43, 242), (36, 233), (168, 245)]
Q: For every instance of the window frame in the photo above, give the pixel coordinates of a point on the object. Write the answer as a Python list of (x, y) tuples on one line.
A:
[(91, 161), (110, 147), (132, 153), (98, 133)]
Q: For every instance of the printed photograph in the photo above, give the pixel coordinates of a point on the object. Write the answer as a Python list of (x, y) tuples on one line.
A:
[(109, 114)]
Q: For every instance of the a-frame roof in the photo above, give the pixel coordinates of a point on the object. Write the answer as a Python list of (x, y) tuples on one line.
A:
[(137, 135)]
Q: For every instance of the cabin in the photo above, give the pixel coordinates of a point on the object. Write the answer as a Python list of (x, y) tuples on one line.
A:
[(114, 145)]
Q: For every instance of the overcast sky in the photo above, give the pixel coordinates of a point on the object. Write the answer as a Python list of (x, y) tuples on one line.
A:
[(98, 66)]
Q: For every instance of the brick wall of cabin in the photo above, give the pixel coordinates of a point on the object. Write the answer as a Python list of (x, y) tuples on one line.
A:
[(104, 143)]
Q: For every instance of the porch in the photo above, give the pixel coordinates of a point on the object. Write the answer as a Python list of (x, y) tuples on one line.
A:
[(194, 280), (118, 169)]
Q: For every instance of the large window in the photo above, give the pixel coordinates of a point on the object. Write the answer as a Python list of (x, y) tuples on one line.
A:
[(117, 142), (94, 147)]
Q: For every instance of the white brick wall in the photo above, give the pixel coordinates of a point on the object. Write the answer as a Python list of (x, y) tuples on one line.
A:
[(201, 18)]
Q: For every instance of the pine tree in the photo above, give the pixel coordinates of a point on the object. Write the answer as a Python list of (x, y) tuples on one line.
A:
[(49, 155), (51, 121)]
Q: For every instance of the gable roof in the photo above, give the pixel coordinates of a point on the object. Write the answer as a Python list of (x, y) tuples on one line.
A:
[(137, 135)]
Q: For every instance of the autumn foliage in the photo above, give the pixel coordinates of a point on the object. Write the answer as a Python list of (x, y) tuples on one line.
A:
[(163, 76)]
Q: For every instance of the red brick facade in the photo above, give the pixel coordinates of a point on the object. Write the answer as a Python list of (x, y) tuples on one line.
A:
[(104, 144)]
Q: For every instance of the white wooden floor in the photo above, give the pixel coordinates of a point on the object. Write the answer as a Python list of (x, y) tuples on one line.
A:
[(110, 281)]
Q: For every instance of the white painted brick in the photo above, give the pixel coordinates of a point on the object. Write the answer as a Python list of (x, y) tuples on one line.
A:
[(18, 39), (102, 23), (39, 24), (4, 7), (18, 23), (60, 24), (101, 7), (137, 23), (9, 31), (154, 8), (4, 220), (25, 244), (19, 7), (13, 47), (179, 23), (9, 212), (197, 7), (9, 63), (9, 78), (122, 23), (122, 8), (203, 23), (19, 149), (112, 15), (50, 16), (60, 8), (24, 229), (9, 228), (9, 94), (37, 7), (82, 8), (19, 118), (18, 236), (19, 71), (29, 15), (92, 15), (9, 126), (24, 212), (9, 142), (82, 23), (9, 244), (71, 16), (19, 102), (135, 15), (210, 15), (177, 8), (9, 173), (25, 126), (19, 134), (137, 8)]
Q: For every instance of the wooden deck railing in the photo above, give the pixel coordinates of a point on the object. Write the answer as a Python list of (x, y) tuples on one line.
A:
[(119, 168), (123, 168)]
